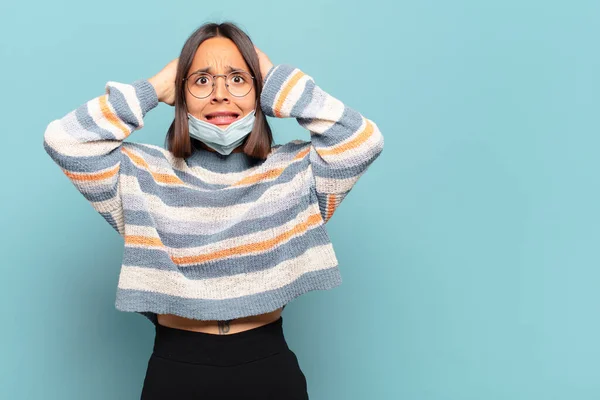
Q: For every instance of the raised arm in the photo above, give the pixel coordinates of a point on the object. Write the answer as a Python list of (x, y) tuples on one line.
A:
[(86, 143), (343, 142)]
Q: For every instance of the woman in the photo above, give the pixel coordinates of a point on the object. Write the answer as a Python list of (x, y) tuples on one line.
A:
[(222, 228)]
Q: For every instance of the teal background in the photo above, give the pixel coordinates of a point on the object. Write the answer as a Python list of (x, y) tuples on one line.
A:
[(469, 250)]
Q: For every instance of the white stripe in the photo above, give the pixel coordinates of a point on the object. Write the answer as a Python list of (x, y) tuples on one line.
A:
[(294, 94), (94, 110), (358, 154), (130, 186), (331, 185), (251, 238), (174, 283), (167, 224), (327, 111), (131, 98), (142, 230), (272, 74), (75, 145), (107, 205), (228, 243), (169, 163), (71, 125), (117, 215)]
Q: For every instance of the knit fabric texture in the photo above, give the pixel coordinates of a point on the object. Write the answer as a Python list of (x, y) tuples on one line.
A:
[(211, 236)]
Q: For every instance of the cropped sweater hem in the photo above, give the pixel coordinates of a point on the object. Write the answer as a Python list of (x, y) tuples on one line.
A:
[(149, 304)]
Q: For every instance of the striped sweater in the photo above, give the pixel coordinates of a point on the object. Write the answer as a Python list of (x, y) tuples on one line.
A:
[(217, 237)]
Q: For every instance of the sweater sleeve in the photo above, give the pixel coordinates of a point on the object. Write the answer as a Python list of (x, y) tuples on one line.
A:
[(86, 143), (343, 143)]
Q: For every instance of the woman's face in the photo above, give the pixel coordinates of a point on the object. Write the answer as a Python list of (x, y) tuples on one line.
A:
[(218, 54)]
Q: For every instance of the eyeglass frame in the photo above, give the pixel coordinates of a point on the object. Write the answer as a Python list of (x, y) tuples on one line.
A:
[(214, 77)]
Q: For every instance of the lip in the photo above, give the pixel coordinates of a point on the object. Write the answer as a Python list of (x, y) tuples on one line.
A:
[(233, 116)]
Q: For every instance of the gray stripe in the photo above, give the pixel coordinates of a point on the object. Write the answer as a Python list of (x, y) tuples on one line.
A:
[(272, 86), (83, 164), (234, 162), (97, 188), (146, 94), (98, 196), (149, 303), (159, 259), (257, 220), (266, 77), (322, 169), (322, 199), (344, 128), (215, 162), (86, 122), (119, 103), (237, 162), (145, 148), (134, 202), (239, 229), (160, 161), (184, 197), (306, 98), (108, 217), (130, 169)]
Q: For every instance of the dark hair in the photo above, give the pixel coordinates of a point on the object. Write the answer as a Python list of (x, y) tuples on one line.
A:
[(178, 141)]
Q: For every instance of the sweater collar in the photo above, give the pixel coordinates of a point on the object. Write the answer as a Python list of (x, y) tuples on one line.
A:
[(217, 162)]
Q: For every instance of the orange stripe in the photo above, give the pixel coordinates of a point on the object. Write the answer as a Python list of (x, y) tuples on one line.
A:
[(266, 245), (354, 143), (143, 240), (330, 206), (270, 174), (111, 117), (302, 153), (285, 91), (95, 176), (140, 162)]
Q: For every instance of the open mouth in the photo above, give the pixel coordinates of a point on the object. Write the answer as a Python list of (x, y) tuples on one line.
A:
[(222, 118)]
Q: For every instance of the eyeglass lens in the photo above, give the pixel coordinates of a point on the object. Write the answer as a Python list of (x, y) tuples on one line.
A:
[(238, 83)]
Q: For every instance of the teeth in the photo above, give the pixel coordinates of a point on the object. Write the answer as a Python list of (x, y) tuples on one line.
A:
[(222, 116)]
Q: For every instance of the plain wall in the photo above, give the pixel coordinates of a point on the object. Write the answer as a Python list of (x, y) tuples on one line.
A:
[(469, 250)]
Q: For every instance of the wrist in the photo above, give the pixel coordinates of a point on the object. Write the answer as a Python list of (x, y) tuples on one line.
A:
[(146, 94), (159, 88), (274, 93), (267, 73)]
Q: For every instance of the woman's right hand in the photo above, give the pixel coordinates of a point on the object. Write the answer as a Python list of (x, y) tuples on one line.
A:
[(164, 82)]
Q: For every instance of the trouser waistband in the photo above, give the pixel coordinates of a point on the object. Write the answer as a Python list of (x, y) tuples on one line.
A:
[(223, 350)]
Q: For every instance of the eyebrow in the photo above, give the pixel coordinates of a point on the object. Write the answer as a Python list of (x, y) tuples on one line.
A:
[(228, 68)]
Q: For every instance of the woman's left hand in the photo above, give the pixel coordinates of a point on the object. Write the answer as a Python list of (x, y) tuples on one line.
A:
[(265, 63)]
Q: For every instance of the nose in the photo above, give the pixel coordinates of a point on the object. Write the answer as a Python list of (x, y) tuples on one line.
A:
[(220, 93)]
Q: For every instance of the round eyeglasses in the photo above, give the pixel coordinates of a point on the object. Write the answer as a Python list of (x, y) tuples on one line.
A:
[(202, 84)]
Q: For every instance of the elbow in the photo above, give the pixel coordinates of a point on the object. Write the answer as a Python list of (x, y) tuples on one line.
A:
[(51, 140), (47, 138), (378, 140), (50, 132)]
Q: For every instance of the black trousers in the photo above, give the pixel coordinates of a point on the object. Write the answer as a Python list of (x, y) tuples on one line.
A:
[(252, 364)]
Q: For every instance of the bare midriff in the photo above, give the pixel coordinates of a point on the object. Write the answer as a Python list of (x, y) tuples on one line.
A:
[(219, 327)]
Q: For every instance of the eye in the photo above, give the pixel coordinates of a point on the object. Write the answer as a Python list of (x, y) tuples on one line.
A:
[(202, 80), (238, 79)]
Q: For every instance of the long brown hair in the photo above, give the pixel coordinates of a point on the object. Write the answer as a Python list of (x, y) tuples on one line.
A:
[(178, 141)]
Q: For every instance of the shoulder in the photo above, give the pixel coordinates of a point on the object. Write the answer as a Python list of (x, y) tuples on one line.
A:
[(150, 153), (292, 149)]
